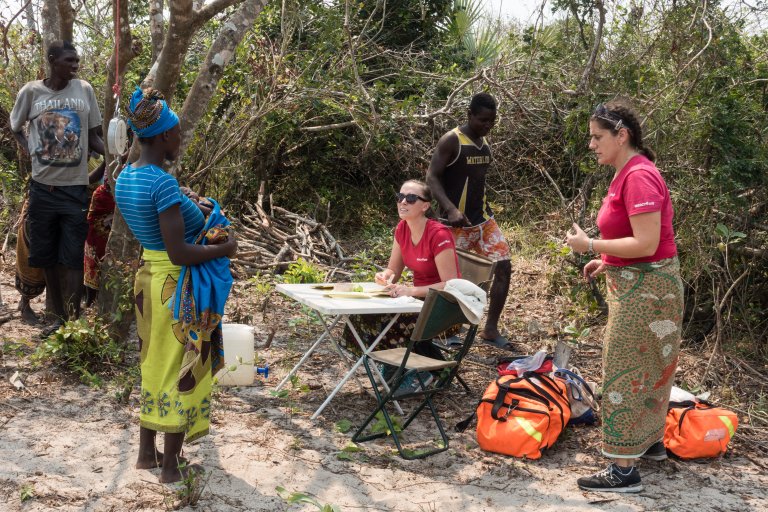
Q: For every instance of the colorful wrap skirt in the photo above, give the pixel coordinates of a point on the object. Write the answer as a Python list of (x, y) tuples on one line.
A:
[(369, 327), (640, 351), (30, 281), (100, 215), (176, 366)]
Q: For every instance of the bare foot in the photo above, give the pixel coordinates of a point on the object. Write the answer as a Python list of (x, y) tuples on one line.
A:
[(156, 462), (28, 316), (169, 476)]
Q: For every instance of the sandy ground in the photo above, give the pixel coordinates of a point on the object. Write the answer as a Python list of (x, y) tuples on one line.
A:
[(73, 448)]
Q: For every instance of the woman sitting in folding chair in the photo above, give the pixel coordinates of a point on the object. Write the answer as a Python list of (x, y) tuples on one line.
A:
[(426, 247)]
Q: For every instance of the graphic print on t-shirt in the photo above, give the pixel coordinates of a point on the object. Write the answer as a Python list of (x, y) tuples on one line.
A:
[(59, 145)]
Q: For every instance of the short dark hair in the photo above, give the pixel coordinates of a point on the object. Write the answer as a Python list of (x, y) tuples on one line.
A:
[(58, 47), (480, 101)]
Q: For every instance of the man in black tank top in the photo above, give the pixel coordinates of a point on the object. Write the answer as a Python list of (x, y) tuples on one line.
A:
[(456, 178)]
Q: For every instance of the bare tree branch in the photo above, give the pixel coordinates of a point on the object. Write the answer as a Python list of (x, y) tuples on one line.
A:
[(595, 47), (353, 55), (446, 109), (6, 43), (328, 127), (210, 10)]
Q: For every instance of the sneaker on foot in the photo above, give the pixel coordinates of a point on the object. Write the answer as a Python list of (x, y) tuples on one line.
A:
[(411, 384), (612, 479), (656, 452)]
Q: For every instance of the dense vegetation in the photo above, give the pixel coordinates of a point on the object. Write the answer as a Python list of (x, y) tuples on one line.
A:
[(333, 103)]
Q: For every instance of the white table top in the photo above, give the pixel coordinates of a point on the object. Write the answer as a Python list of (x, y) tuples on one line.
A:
[(315, 299)]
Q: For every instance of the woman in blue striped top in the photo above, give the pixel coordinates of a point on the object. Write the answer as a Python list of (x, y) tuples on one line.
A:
[(166, 222)]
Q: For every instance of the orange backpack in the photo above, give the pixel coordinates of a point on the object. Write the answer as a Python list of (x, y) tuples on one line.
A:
[(698, 429), (520, 416)]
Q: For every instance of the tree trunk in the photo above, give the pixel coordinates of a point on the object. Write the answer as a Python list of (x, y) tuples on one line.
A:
[(156, 27), (220, 54), (166, 71), (51, 26), (129, 49), (122, 248), (66, 21), (182, 27), (30, 14)]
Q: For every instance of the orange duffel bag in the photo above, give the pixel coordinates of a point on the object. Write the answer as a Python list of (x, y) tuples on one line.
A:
[(520, 416), (697, 430)]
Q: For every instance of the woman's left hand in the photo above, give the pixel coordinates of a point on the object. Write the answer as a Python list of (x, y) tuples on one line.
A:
[(398, 290), (579, 241)]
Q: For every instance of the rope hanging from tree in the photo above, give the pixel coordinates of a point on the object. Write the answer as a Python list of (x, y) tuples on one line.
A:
[(117, 132)]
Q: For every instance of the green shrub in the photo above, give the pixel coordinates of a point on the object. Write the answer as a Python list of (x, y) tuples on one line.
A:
[(303, 271), (84, 347)]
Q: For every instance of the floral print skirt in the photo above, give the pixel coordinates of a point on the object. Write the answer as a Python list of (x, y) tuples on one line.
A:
[(369, 327), (640, 351)]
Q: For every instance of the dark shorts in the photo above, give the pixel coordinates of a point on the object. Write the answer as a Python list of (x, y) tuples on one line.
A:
[(57, 225)]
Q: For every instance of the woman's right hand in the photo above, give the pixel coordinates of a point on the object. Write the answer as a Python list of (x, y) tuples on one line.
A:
[(593, 269), (384, 277)]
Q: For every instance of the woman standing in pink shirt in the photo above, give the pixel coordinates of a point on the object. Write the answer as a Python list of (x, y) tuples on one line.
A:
[(645, 298)]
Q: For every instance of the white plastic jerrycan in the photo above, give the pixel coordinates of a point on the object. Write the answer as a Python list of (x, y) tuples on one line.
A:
[(239, 353)]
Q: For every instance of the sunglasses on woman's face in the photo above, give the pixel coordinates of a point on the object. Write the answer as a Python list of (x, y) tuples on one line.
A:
[(409, 198)]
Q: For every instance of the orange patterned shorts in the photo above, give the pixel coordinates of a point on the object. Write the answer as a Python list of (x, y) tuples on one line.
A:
[(486, 239)]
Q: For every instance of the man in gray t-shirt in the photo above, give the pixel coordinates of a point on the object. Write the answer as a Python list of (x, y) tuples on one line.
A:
[(59, 125), (63, 120)]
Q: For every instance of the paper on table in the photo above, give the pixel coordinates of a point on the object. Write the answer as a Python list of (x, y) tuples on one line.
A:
[(347, 295), (357, 295), (406, 300)]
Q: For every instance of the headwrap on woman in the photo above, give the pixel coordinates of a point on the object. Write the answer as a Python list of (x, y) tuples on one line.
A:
[(149, 113)]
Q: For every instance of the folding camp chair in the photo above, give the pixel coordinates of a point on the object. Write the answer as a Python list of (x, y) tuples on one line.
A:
[(440, 311), (478, 270)]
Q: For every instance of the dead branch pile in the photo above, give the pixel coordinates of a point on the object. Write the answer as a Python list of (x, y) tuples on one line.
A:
[(272, 241)]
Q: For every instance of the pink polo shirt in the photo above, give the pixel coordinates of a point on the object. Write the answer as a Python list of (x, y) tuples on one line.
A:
[(638, 188)]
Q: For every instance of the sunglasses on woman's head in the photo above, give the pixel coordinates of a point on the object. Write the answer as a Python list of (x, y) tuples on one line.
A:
[(602, 112), (409, 198)]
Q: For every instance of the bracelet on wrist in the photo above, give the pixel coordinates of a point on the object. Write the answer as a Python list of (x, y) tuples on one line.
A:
[(590, 246)]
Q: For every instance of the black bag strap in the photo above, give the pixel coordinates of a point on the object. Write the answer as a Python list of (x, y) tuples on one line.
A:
[(682, 405), (462, 425), (498, 403), (546, 381), (567, 375)]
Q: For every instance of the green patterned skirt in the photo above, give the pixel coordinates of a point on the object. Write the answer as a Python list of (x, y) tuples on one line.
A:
[(640, 350), (174, 399)]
